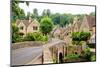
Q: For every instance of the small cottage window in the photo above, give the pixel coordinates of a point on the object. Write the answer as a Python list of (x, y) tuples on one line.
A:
[(67, 33), (21, 27), (35, 28)]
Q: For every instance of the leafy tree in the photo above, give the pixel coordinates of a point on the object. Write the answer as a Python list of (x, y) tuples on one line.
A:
[(80, 16), (15, 36), (35, 13), (17, 12), (79, 37), (28, 15), (44, 13), (62, 19), (56, 18), (48, 12), (92, 13), (46, 25), (22, 14)]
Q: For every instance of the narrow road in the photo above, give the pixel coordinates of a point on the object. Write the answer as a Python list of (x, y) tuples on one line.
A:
[(25, 55)]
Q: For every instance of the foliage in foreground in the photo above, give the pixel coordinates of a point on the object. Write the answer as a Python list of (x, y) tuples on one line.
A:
[(93, 58), (15, 34), (37, 36)]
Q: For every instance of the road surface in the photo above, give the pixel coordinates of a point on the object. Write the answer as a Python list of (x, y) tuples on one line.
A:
[(25, 55)]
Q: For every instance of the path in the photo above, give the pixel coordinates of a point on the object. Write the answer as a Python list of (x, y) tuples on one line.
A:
[(25, 55)]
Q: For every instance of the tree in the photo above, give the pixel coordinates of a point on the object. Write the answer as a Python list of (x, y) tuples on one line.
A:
[(62, 19), (80, 16), (46, 25), (28, 15), (79, 37), (35, 14), (17, 12), (22, 14), (56, 18), (92, 13), (48, 12), (44, 13), (15, 35)]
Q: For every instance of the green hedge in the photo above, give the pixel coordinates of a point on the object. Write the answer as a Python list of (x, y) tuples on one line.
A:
[(36, 36)]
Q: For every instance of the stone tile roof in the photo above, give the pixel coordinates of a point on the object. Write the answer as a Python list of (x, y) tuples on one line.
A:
[(79, 24), (91, 21), (26, 22)]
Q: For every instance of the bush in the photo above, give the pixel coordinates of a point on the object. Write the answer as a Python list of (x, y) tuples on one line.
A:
[(15, 34), (91, 45), (80, 36), (29, 37), (93, 58), (87, 54), (72, 56), (37, 36)]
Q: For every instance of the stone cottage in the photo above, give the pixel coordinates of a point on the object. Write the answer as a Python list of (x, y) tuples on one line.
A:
[(27, 26)]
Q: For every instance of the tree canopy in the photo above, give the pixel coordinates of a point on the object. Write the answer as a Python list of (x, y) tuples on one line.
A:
[(80, 36), (46, 25)]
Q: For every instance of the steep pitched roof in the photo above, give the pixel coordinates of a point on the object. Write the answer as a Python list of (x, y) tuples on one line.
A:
[(91, 21), (79, 24), (26, 22)]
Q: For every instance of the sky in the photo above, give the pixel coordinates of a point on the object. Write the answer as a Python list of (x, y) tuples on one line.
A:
[(57, 8)]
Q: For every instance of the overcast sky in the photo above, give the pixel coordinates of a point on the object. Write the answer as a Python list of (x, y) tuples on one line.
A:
[(57, 8)]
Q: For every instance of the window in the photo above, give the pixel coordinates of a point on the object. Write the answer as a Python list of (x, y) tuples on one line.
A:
[(35, 28), (67, 33), (21, 27)]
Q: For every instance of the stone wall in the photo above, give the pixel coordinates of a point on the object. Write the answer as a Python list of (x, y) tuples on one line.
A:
[(26, 44)]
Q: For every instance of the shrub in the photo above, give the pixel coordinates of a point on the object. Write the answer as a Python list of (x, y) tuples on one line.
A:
[(36, 36), (72, 56), (88, 54), (29, 37), (93, 58), (15, 36)]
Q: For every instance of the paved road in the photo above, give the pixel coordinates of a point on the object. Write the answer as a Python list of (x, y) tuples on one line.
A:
[(25, 55)]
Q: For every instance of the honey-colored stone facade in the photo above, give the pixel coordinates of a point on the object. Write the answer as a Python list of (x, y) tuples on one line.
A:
[(28, 26)]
